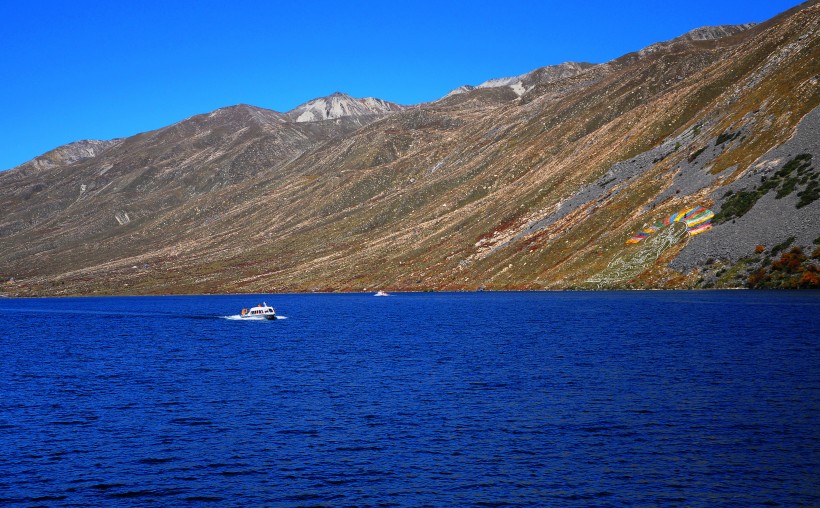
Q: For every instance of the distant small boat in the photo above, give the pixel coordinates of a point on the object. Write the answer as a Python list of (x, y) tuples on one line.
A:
[(261, 311), (381, 293)]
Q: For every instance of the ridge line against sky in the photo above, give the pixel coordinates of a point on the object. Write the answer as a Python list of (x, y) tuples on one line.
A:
[(104, 70)]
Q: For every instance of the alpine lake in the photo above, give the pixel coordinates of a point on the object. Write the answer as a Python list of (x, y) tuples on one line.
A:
[(653, 398)]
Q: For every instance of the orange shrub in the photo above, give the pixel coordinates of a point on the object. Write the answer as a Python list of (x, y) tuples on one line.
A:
[(809, 280)]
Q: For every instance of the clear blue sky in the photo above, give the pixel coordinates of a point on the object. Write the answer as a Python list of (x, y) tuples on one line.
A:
[(72, 70)]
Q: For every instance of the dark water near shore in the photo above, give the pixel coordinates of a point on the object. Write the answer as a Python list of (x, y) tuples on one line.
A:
[(486, 399)]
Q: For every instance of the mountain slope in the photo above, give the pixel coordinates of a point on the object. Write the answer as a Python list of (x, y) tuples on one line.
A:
[(80, 206), (487, 188)]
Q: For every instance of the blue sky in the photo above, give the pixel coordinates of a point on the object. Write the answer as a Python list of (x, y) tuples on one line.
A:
[(106, 69)]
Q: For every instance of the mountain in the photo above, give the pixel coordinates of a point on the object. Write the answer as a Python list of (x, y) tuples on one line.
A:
[(339, 105), (145, 179), (573, 176), (525, 82), (68, 154)]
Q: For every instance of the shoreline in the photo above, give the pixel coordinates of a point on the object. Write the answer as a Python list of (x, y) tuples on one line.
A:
[(400, 292)]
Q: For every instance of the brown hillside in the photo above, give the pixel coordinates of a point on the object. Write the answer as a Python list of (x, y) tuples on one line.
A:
[(482, 189)]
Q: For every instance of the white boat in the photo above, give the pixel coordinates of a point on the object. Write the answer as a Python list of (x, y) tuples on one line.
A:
[(381, 293), (261, 311)]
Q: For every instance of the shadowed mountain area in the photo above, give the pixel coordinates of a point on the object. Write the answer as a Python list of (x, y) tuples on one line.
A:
[(532, 182)]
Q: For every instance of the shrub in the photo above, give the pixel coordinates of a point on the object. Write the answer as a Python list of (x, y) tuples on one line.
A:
[(809, 279), (787, 188), (780, 246), (694, 155), (800, 163), (809, 194), (790, 262), (757, 278), (736, 206), (726, 136)]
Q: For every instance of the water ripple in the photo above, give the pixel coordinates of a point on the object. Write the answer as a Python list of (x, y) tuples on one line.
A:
[(578, 399)]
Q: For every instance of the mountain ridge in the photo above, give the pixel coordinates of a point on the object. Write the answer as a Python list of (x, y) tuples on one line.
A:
[(339, 105), (483, 189), (324, 108)]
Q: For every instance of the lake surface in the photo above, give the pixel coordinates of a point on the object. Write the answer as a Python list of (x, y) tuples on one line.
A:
[(450, 399)]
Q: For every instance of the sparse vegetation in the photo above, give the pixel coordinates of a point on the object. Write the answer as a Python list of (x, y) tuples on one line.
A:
[(786, 266), (784, 181), (792, 270), (783, 245), (736, 206), (694, 155), (809, 194), (725, 137)]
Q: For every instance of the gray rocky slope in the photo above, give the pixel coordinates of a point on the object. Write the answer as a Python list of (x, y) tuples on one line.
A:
[(772, 220)]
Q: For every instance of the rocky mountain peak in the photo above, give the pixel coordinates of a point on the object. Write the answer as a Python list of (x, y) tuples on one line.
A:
[(540, 75), (525, 82), (708, 33), (705, 33), (247, 113), (339, 105), (69, 154)]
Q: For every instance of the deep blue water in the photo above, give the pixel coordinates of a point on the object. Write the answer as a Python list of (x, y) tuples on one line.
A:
[(483, 399)]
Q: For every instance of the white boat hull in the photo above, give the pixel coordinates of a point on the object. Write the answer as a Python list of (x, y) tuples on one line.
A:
[(262, 311)]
